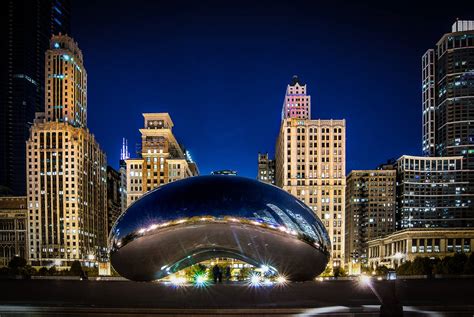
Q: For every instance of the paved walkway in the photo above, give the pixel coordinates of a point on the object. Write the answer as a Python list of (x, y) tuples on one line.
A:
[(99, 297)]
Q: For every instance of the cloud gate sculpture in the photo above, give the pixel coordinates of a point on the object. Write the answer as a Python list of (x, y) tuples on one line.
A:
[(204, 217)]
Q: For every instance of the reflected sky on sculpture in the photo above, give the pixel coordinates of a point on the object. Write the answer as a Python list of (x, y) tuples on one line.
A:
[(192, 220)]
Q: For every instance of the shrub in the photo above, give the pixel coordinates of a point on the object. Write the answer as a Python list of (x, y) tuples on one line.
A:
[(43, 271), (76, 268), (339, 272)]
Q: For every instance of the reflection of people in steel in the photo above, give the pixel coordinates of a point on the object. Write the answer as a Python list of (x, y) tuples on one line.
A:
[(216, 273), (227, 273)]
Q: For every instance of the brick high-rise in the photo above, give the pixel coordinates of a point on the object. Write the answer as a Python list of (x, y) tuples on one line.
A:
[(310, 163), (66, 169)]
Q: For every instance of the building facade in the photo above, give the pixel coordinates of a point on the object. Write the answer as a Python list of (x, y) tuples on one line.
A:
[(124, 155), (114, 197), (370, 210), (66, 169), (448, 95), (405, 245), (310, 164), (433, 192), (448, 99), (25, 29), (13, 215), (162, 158), (266, 169), (297, 103)]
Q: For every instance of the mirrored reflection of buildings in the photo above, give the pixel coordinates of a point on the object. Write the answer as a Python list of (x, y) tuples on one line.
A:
[(266, 169), (224, 172), (310, 163), (370, 211), (13, 216), (25, 30), (66, 168), (162, 159)]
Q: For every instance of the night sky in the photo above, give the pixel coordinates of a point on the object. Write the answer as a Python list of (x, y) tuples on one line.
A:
[(221, 69)]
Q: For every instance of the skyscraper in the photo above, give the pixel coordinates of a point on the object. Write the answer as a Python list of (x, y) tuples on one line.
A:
[(448, 127), (162, 159), (114, 202), (266, 169), (124, 155), (67, 182), (370, 211), (310, 163), (448, 96), (433, 192), (25, 29), (297, 104)]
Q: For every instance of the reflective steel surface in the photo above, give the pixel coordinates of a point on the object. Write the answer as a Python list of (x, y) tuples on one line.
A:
[(198, 218)]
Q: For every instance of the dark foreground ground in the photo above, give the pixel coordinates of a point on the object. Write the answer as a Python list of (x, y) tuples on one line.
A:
[(446, 297)]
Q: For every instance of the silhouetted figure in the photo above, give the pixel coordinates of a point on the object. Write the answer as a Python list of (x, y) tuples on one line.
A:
[(227, 273), (216, 271), (391, 305), (220, 276), (84, 275)]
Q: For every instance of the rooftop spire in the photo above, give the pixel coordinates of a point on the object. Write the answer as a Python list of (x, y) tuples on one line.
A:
[(124, 154), (295, 80)]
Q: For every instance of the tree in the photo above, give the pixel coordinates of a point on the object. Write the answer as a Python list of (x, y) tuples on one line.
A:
[(339, 272), (17, 262), (17, 265), (92, 271), (469, 266), (43, 271), (244, 273), (327, 271), (381, 270), (422, 266), (404, 269), (4, 271), (52, 270), (196, 270), (457, 262), (29, 271), (76, 268)]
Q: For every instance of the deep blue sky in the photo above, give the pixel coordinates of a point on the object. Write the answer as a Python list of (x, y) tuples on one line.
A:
[(221, 68)]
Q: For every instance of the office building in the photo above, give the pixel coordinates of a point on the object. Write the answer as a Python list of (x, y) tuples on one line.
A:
[(13, 215), (114, 197), (266, 169), (124, 155), (25, 29), (67, 180), (370, 211), (296, 104), (433, 192), (310, 164), (448, 95), (162, 158), (448, 100), (407, 244)]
